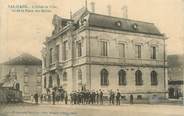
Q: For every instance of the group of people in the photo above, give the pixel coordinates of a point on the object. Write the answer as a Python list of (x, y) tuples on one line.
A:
[(81, 97), (86, 97), (56, 95)]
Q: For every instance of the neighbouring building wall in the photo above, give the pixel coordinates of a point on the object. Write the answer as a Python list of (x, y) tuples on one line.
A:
[(28, 76)]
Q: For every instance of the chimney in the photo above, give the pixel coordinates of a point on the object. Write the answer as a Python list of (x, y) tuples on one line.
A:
[(109, 10), (93, 7), (70, 14), (125, 11), (86, 4)]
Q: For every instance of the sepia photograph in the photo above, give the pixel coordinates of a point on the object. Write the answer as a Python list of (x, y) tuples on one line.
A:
[(91, 57)]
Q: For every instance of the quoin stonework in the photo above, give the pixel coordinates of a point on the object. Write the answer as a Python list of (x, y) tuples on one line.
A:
[(94, 51)]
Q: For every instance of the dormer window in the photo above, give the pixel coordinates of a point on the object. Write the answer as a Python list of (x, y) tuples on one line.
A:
[(118, 23), (82, 22), (135, 26)]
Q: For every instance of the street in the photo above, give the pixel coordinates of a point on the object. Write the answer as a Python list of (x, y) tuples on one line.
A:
[(89, 110)]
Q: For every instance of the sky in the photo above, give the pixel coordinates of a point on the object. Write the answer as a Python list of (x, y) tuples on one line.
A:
[(25, 31)]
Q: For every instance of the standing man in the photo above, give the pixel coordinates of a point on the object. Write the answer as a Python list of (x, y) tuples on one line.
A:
[(36, 98), (101, 97), (53, 97), (71, 98), (41, 98), (66, 97), (118, 96), (75, 97), (97, 97), (93, 96), (131, 99), (112, 97)]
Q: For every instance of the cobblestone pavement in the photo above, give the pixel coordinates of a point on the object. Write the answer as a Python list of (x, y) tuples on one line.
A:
[(91, 110)]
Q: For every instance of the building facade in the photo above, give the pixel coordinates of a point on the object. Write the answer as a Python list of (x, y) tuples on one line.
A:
[(175, 76), (95, 51), (25, 70)]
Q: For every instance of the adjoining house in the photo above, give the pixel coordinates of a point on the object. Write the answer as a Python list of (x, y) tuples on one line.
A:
[(23, 73), (175, 76), (96, 51)]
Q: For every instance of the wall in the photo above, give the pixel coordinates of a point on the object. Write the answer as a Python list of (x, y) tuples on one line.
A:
[(33, 74)]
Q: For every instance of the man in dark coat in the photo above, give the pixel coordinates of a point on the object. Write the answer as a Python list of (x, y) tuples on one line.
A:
[(66, 97), (93, 97), (97, 97), (75, 97), (113, 97), (118, 97), (72, 98), (36, 98), (101, 97), (53, 97), (131, 99), (41, 98)]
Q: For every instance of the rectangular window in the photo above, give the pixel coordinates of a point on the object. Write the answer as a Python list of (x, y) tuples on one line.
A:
[(44, 61), (153, 52), (65, 50), (51, 54), (26, 90), (45, 82), (104, 48), (79, 48), (138, 51), (38, 80), (122, 50), (57, 52), (25, 79)]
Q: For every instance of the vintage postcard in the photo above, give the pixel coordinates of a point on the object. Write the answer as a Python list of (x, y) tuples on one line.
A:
[(91, 57)]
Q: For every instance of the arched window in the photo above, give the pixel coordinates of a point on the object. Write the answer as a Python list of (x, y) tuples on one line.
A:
[(122, 77), (50, 81), (104, 77), (138, 78), (154, 80), (58, 80), (64, 76), (17, 86)]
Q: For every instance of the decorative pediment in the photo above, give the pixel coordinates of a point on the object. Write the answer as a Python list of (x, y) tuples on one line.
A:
[(153, 42)]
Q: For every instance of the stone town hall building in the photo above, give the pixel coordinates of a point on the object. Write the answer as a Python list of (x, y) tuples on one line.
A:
[(103, 52)]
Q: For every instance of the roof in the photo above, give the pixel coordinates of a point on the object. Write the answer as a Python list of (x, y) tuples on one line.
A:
[(24, 59), (109, 22), (175, 60)]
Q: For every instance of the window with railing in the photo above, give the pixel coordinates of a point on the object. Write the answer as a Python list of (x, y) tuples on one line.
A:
[(121, 50), (104, 48), (65, 44), (64, 76), (79, 48), (57, 52), (51, 55), (50, 82), (45, 82), (138, 51), (153, 52)]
